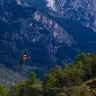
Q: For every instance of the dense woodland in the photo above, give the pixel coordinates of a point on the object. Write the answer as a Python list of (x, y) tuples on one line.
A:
[(76, 79)]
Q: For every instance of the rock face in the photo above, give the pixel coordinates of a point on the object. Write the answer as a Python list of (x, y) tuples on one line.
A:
[(9, 77), (43, 34), (83, 11)]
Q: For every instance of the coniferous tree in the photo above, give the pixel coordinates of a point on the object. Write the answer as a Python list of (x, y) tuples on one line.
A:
[(3, 90)]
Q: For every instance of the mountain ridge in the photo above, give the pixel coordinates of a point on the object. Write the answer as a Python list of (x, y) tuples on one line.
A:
[(26, 27), (81, 11)]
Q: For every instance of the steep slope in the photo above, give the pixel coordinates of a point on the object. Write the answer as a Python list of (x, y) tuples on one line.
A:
[(83, 11), (30, 29), (46, 36), (92, 85), (9, 77)]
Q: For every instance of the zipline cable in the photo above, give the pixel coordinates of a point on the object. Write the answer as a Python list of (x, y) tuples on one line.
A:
[(42, 48)]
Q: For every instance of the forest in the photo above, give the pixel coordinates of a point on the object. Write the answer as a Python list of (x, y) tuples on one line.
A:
[(74, 79)]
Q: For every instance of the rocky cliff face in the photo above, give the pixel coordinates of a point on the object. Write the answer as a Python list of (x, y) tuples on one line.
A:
[(26, 28), (47, 37), (83, 11), (9, 77)]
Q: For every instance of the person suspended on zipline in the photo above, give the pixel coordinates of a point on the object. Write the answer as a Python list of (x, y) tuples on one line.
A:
[(23, 59)]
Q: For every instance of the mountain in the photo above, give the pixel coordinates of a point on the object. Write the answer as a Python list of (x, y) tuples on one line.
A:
[(9, 77), (46, 36), (82, 11)]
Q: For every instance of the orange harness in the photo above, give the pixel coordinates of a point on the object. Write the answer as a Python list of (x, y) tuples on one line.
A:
[(25, 58)]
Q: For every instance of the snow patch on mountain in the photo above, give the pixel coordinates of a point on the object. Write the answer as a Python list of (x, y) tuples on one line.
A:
[(19, 2), (22, 2), (82, 11), (50, 4)]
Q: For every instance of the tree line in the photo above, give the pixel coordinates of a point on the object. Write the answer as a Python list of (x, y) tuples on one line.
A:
[(67, 81)]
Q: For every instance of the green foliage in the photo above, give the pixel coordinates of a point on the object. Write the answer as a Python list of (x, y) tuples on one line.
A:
[(79, 91), (18, 89), (33, 86), (67, 81), (50, 81), (3, 90), (32, 78), (71, 76), (57, 74), (89, 64), (79, 65), (80, 57), (61, 94)]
